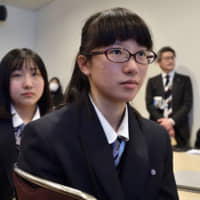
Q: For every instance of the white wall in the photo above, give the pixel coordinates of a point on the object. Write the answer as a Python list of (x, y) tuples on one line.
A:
[(173, 22), (18, 30), (54, 32)]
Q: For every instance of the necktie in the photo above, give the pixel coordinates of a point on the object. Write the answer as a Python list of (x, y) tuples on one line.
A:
[(18, 130), (167, 98), (118, 149)]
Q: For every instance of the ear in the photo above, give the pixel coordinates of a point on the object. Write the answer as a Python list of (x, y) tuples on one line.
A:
[(83, 64)]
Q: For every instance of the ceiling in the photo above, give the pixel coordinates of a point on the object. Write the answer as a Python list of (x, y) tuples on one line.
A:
[(28, 4)]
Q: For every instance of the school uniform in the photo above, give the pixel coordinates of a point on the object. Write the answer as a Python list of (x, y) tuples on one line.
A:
[(8, 156), (9, 146), (69, 146)]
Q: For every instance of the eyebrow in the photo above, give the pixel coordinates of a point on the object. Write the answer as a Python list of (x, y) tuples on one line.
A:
[(32, 68)]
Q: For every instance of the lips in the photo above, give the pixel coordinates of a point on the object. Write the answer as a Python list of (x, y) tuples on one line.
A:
[(28, 94), (131, 84)]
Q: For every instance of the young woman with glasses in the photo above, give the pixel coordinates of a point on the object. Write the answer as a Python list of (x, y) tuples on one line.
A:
[(78, 145)]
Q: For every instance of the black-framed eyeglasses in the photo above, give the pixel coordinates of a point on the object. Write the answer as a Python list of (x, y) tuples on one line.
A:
[(120, 55)]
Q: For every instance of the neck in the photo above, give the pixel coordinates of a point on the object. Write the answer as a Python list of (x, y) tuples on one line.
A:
[(26, 113), (113, 112), (167, 72)]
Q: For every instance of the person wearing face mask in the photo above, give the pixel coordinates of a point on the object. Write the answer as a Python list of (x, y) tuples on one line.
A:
[(56, 91)]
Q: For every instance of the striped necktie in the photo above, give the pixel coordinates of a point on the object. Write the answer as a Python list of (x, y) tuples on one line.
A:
[(118, 149), (18, 130), (167, 97)]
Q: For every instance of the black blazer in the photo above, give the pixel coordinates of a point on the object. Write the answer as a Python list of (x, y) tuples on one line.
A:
[(69, 146), (8, 156), (182, 99)]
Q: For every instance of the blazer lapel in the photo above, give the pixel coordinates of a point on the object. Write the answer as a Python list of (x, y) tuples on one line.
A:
[(135, 162), (100, 158), (160, 85), (175, 86)]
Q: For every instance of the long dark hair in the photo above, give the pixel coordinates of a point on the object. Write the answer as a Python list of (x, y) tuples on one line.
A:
[(13, 60), (103, 29)]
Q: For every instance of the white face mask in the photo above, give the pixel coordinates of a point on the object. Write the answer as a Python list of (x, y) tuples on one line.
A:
[(53, 87)]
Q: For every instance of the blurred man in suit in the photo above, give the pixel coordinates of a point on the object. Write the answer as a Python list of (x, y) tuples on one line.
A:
[(169, 98)]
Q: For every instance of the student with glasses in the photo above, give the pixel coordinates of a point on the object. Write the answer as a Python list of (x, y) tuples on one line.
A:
[(98, 143)]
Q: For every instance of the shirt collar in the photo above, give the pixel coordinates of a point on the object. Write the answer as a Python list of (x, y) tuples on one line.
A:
[(171, 74), (110, 133), (17, 120)]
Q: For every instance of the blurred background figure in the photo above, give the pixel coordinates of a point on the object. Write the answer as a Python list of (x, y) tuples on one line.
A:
[(24, 97), (56, 91), (169, 99), (197, 142)]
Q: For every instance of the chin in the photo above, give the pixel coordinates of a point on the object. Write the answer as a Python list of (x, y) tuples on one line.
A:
[(131, 97), (29, 103), (128, 98)]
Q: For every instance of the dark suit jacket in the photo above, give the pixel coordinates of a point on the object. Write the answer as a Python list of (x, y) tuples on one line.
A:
[(8, 156), (182, 98), (69, 146)]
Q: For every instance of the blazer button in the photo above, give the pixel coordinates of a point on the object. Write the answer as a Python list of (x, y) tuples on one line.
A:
[(153, 172)]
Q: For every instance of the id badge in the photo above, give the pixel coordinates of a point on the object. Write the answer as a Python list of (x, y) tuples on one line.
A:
[(158, 102)]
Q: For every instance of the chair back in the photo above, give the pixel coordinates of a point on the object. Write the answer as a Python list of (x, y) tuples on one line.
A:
[(30, 187)]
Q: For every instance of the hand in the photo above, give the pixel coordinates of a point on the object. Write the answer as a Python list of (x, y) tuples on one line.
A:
[(171, 132), (168, 125), (165, 122)]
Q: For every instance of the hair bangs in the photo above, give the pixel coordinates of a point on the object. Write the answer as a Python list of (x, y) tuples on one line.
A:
[(108, 28), (17, 64)]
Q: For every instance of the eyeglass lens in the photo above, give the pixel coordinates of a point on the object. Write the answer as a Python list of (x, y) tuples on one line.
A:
[(123, 55)]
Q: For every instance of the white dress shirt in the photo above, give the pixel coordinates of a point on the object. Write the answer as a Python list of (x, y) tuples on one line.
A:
[(110, 133), (18, 121), (171, 77)]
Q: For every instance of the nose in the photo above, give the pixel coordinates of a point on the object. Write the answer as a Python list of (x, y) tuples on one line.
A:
[(27, 83), (131, 66)]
